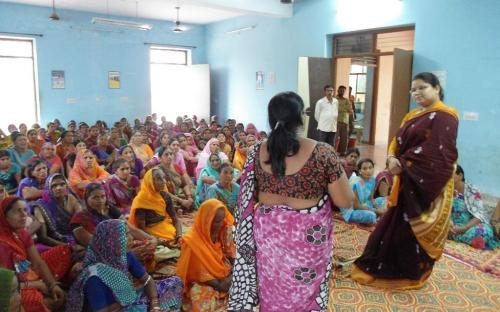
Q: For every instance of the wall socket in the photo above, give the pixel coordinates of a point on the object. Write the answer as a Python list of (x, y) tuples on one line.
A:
[(472, 116)]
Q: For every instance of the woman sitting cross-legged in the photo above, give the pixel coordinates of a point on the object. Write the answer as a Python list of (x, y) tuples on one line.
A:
[(152, 209), (207, 256), (54, 212), (366, 207), (31, 187), (107, 280), (179, 184), (208, 176), (471, 221), (136, 166), (97, 210), (38, 274), (123, 186), (225, 190), (85, 171)]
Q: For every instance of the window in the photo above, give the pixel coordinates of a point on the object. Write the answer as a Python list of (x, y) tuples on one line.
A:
[(357, 80), (170, 56), (17, 83), (177, 87)]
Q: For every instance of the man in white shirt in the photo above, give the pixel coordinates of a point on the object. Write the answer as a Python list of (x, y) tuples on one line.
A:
[(326, 113)]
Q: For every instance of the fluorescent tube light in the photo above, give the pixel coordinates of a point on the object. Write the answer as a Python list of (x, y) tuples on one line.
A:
[(124, 23), (239, 30)]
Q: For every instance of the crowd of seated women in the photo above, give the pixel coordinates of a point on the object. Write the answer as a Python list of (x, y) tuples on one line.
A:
[(85, 209)]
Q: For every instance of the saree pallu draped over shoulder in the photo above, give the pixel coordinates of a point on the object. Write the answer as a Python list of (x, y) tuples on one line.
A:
[(283, 257), (410, 237)]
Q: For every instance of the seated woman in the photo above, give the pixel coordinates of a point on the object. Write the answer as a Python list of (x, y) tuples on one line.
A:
[(225, 147), (189, 151), (240, 156), (107, 280), (179, 184), (31, 188), (212, 147), (383, 182), (471, 221), (208, 176), (366, 208), (104, 152), (142, 150), (152, 209), (97, 210), (10, 173), (122, 187), (69, 160), (54, 212), (349, 162), (20, 153), (66, 144), (207, 256), (85, 171), (38, 274), (225, 190), (49, 156), (10, 299), (136, 165), (34, 143)]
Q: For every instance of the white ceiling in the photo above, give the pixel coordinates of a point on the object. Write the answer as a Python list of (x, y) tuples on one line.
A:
[(192, 11)]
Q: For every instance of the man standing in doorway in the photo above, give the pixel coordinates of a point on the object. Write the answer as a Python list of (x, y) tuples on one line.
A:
[(345, 110), (325, 113)]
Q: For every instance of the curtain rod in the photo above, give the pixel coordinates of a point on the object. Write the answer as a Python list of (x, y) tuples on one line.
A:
[(170, 45), (22, 34)]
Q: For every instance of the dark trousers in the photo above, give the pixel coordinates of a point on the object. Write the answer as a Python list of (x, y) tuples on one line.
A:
[(343, 136), (327, 137)]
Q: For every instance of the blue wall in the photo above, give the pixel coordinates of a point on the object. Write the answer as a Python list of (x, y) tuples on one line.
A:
[(87, 56), (459, 36)]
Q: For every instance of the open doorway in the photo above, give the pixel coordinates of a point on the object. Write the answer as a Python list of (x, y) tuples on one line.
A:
[(377, 65)]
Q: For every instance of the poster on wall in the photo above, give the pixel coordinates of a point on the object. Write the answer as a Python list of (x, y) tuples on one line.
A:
[(259, 80), (114, 80), (58, 79)]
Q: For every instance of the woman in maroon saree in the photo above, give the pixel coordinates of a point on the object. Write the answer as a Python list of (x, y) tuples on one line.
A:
[(410, 237)]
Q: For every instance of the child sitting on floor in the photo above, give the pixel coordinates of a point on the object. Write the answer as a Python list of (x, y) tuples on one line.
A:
[(10, 173), (366, 208)]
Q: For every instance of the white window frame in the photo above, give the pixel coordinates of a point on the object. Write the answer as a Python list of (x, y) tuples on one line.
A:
[(35, 69), (167, 48)]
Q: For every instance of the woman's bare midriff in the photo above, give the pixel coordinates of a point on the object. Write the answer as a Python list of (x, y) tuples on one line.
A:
[(293, 165), (269, 199)]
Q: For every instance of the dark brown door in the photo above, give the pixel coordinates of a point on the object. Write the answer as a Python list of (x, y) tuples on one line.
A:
[(401, 83), (320, 74)]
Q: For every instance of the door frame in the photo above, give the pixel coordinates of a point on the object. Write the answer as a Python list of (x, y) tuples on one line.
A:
[(374, 32)]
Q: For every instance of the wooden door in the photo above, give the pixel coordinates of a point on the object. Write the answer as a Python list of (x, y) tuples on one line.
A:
[(320, 74), (400, 95)]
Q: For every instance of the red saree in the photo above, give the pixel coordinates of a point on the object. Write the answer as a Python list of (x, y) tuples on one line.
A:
[(14, 256)]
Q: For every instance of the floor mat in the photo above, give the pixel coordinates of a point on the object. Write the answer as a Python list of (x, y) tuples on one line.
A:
[(484, 260), (453, 285)]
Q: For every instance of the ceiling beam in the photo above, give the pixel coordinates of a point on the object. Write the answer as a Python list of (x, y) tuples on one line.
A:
[(273, 8)]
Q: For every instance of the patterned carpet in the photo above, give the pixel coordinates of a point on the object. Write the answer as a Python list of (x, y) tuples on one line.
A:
[(453, 286)]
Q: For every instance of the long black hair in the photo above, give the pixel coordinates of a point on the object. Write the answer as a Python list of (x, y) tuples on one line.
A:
[(431, 79), (285, 117)]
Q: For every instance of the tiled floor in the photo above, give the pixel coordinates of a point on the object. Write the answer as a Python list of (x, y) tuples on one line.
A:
[(378, 153)]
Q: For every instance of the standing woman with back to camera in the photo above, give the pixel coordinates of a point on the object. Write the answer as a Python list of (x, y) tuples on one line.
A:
[(410, 237), (284, 217)]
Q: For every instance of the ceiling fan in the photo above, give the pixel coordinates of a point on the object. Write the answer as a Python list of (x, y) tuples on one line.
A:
[(178, 27), (54, 15)]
